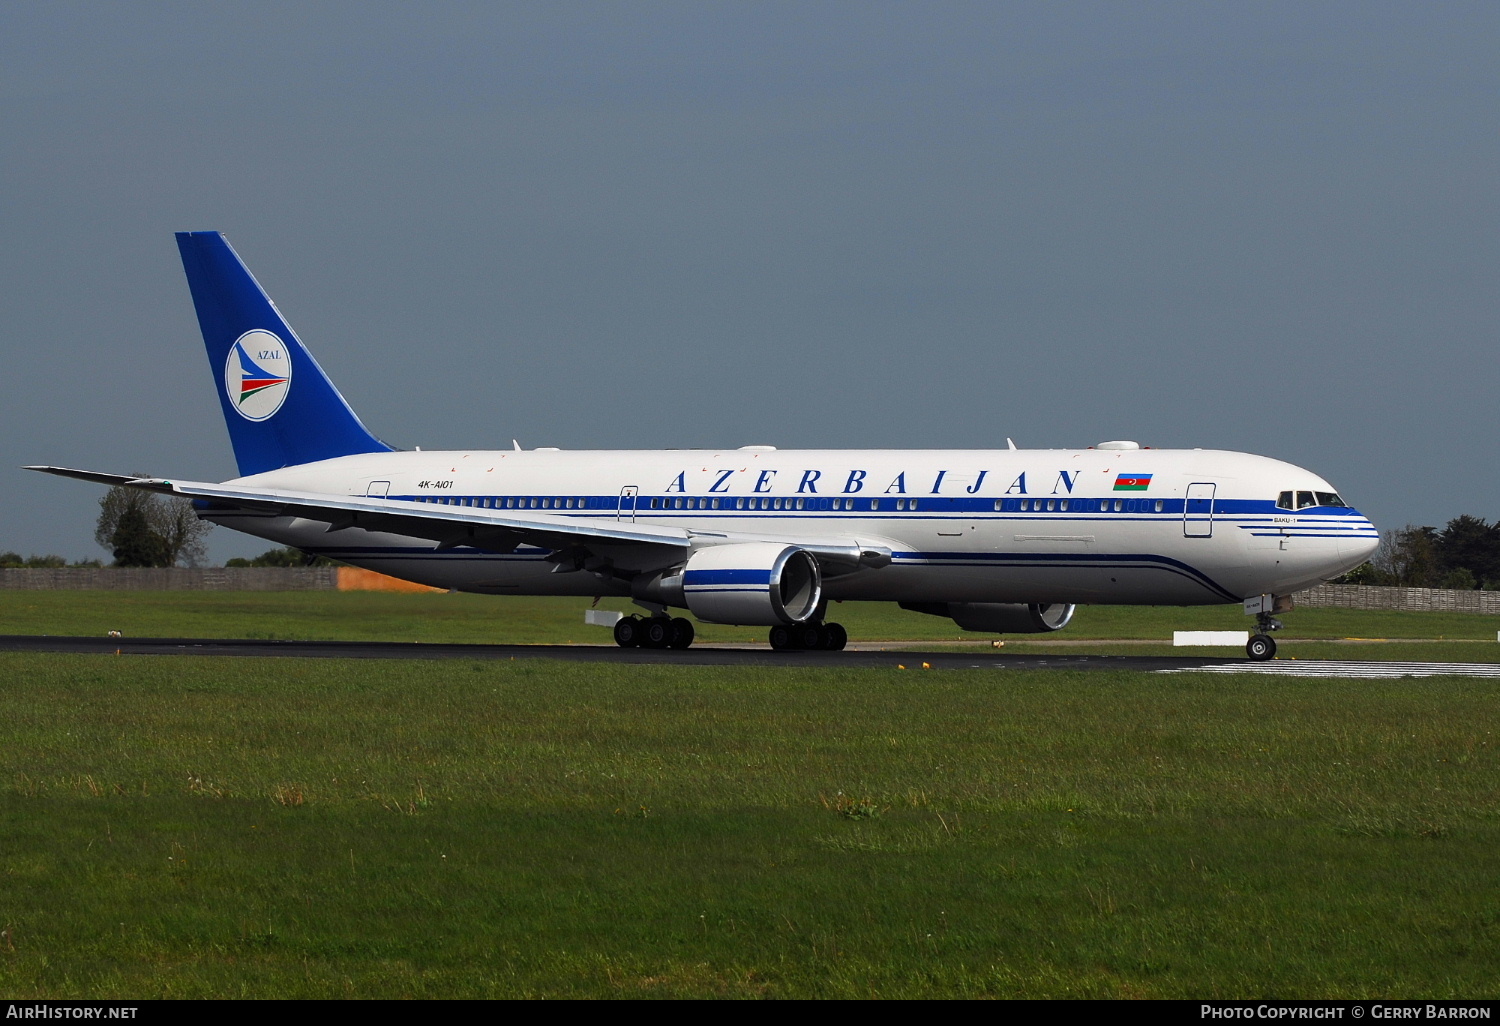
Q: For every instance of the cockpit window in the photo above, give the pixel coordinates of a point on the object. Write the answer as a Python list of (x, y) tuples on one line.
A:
[(1302, 500)]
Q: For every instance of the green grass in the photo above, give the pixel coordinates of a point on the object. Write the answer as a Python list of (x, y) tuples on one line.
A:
[(186, 827), (443, 617)]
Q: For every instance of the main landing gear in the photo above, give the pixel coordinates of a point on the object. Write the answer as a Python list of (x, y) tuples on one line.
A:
[(664, 632), (1262, 646), (653, 632), (829, 637)]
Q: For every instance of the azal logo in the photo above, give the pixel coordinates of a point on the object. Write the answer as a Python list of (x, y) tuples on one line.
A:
[(257, 375)]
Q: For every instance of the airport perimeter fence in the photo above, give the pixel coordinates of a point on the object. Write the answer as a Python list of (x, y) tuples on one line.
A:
[(176, 578), (219, 578), (1418, 600)]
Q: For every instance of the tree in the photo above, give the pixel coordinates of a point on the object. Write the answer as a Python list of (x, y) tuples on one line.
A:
[(13, 561), (134, 543), (176, 522), (1470, 545), (171, 520), (1408, 557), (288, 556)]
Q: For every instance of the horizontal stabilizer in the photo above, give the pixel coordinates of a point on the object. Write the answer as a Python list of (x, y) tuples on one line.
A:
[(115, 480)]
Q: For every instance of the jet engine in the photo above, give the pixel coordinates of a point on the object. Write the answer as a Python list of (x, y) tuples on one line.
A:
[(757, 583), (999, 617)]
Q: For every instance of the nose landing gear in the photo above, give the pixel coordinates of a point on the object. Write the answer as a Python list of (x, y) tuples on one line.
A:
[(1261, 645)]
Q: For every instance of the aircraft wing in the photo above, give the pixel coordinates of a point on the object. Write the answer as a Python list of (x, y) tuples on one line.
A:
[(498, 530)]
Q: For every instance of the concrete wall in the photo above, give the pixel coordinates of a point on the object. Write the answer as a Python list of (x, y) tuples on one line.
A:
[(219, 578), (1419, 600)]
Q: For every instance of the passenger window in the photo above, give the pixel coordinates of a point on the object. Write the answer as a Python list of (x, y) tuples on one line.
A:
[(1051, 505), (1025, 505), (739, 503), (1063, 505), (800, 503), (911, 504), (874, 503), (1160, 505), (1304, 500)]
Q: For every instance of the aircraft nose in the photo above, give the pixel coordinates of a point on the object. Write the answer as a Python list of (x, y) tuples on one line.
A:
[(1360, 544)]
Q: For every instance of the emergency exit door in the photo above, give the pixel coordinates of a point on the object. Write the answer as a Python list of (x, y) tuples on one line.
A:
[(1198, 512), (627, 502)]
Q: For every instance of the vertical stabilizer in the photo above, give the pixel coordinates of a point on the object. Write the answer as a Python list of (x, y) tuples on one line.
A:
[(279, 406)]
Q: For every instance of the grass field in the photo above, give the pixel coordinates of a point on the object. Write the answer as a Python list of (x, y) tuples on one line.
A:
[(190, 827), (218, 828)]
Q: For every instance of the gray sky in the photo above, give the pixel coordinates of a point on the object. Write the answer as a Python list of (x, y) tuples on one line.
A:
[(1268, 227)]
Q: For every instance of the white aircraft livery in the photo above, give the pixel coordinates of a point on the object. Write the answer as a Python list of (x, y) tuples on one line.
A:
[(1001, 541)]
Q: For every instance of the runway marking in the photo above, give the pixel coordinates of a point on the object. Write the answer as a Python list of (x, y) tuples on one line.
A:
[(1347, 668)]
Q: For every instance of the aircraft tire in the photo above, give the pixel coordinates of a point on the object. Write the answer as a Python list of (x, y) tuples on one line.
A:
[(682, 633), (1260, 648), (835, 637), (810, 636), (780, 638), (628, 632), (656, 632)]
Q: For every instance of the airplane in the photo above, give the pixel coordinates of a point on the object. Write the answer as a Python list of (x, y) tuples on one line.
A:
[(1000, 541)]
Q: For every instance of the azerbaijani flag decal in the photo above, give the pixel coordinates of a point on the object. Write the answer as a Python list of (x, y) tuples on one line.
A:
[(1132, 482)]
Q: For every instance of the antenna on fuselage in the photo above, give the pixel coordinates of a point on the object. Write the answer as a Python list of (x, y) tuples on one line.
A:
[(516, 444), (1009, 444)]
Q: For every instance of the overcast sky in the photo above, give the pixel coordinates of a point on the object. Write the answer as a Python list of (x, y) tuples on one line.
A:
[(1263, 226)]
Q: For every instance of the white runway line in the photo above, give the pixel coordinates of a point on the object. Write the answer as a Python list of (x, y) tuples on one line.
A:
[(1348, 668)]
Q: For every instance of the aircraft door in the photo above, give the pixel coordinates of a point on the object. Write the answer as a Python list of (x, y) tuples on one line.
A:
[(627, 503), (378, 489), (1198, 511)]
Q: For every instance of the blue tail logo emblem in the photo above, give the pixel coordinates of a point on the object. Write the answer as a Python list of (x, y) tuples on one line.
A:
[(257, 375)]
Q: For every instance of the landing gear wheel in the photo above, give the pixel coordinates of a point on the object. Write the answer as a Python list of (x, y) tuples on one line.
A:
[(682, 633), (656, 632), (836, 637), (780, 638), (808, 635), (1260, 648), (628, 631)]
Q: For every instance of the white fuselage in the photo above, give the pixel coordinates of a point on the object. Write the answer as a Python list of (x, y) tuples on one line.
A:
[(1037, 526)]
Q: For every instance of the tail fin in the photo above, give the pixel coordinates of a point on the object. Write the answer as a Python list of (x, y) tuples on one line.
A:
[(280, 407)]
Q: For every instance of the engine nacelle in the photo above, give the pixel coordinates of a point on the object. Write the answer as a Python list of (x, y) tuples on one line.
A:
[(755, 584), (999, 617)]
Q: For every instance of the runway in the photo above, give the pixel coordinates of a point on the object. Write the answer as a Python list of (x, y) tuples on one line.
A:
[(727, 656)]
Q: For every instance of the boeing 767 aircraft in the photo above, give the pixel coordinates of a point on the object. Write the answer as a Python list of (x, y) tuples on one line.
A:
[(1001, 541)]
